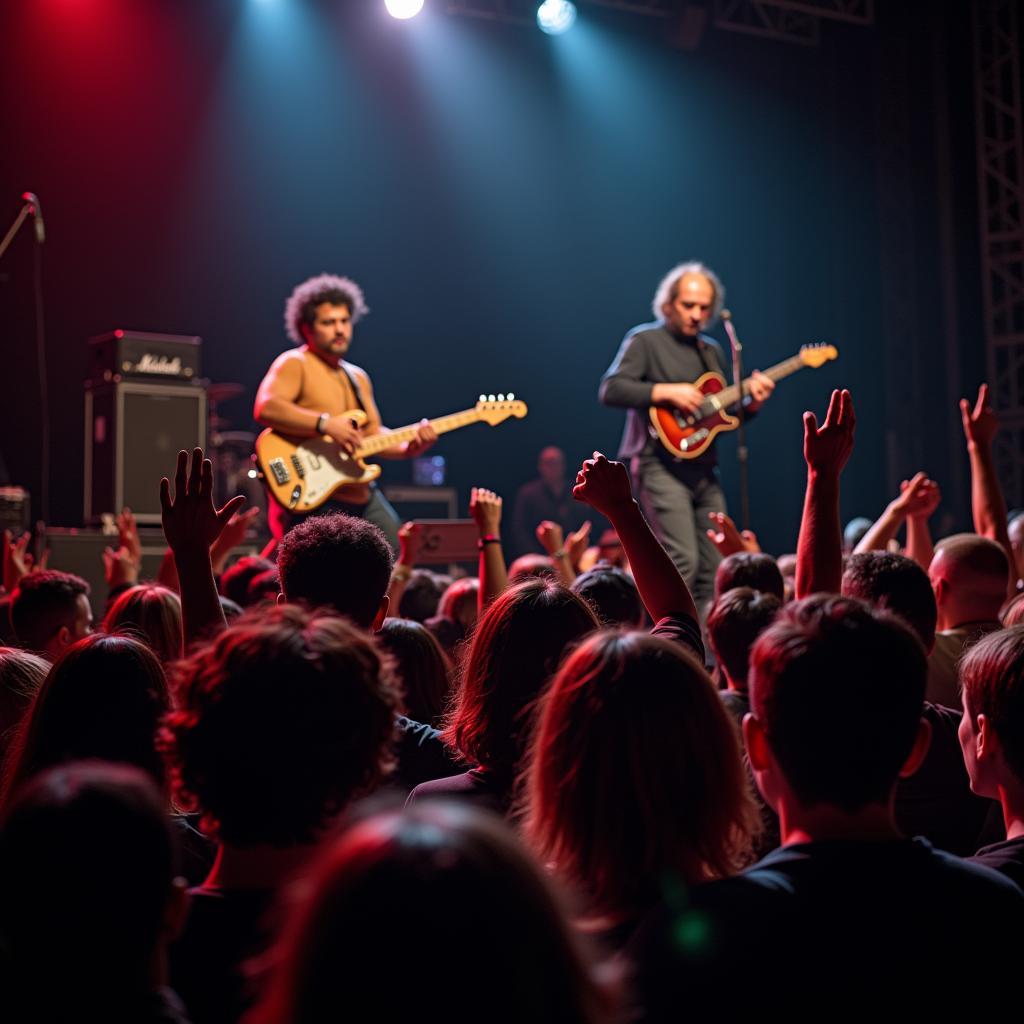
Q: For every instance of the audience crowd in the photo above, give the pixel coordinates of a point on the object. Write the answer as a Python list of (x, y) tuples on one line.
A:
[(326, 782)]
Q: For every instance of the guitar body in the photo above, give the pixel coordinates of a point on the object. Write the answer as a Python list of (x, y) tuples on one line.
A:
[(688, 435), (301, 474)]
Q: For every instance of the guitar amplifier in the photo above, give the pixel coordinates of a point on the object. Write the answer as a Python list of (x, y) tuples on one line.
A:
[(124, 355)]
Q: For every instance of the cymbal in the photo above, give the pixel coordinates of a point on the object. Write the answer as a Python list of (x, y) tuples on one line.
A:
[(222, 392)]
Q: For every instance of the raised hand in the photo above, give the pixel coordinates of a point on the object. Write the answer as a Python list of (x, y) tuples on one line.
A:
[(485, 508), (576, 543), (128, 537), (551, 537), (410, 538), (980, 423), (17, 560), (919, 497), (727, 539), (191, 521), (828, 447), (603, 485), (120, 568)]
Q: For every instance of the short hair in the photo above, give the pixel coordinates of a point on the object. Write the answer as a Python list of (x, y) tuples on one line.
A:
[(897, 584), (283, 719), (977, 569), (750, 569), (300, 307), (44, 602), (151, 614), (612, 593), (517, 646), (21, 675), (531, 566), (88, 859), (263, 587), (737, 618), (336, 561), (416, 882), (669, 284), (103, 699), (421, 596), (421, 665), (460, 598), (992, 682), (632, 725), (838, 688), (234, 581)]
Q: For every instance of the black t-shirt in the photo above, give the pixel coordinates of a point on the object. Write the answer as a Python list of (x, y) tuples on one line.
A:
[(1006, 857), (830, 927), (422, 755), (492, 790)]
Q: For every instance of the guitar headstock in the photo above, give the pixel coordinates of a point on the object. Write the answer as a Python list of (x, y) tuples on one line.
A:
[(495, 409), (818, 355)]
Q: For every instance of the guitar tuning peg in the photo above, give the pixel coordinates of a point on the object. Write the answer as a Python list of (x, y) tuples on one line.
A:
[(490, 398), (483, 398), (511, 396), (501, 398)]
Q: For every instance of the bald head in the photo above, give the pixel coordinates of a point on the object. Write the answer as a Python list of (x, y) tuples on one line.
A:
[(969, 575)]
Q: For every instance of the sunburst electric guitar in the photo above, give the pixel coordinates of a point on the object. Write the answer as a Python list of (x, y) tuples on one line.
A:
[(687, 435), (302, 474)]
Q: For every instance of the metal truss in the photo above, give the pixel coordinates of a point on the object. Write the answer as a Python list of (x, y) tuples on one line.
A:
[(760, 18), (1000, 159)]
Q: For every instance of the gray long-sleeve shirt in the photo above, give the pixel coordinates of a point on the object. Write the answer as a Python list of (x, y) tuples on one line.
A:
[(651, 354)]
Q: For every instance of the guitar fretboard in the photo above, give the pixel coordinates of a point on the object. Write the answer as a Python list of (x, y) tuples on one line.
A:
[(392, 439), (727, 396)]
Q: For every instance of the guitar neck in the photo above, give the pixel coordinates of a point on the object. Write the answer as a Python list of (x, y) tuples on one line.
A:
[(393, 438), (731, 394)]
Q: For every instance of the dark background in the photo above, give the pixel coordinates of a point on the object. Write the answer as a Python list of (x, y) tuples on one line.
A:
[(508, 201)]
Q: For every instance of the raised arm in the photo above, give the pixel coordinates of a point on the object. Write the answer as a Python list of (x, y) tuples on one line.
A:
[(409, 540), (605, 487), (819, 552), (191, 525), (485, 508), (988, 506), (552, 540), (918, 499)]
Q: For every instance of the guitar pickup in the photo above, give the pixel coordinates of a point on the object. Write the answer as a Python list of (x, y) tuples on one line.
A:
[(300, 470), (280, 471)]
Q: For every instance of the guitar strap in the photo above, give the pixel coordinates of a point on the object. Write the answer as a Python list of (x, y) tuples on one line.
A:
[(352, 384)]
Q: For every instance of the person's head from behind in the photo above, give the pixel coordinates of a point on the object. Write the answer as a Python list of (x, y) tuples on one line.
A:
[(422, 667), (263, 588), (836, 693), (50, 610), (283, 719), (459, 601), (897, 584), (102, 699), (749, 569), (21, 675), (632, 725), (854, 532), (422, 595), (1015, 529), (235, 580), (970, 576), (151, 614), (737, 619), (340, 562), (416, 882), (517, 645), (90, 887), (992, 727), (531, 566), (612, 594)]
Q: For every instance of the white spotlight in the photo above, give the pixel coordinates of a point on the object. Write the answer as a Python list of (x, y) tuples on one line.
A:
[(556, 16), (403, 8)]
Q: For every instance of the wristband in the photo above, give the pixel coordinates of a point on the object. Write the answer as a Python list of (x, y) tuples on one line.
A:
[(489, 539), (560, 553), (321, 422)]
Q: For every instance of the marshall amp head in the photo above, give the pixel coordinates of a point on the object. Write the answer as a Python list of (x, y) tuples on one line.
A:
[(122, 355)]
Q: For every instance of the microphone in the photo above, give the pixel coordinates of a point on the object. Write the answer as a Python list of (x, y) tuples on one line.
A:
[(725, 314), (37, 214)]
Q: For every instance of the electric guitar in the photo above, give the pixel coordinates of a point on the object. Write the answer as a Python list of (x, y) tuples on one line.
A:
[(302, 474), (687, 435)]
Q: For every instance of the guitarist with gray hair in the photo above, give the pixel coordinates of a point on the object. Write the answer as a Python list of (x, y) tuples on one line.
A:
[(657, 366)]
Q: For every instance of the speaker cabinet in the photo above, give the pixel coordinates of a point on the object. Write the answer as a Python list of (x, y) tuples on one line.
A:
[(133, 432)]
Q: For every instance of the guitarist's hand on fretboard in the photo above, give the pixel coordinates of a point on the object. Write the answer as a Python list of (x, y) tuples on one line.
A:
[(761, 387)]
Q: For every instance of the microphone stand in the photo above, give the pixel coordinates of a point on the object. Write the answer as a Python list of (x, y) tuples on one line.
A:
[(19, 220), (742, 452)]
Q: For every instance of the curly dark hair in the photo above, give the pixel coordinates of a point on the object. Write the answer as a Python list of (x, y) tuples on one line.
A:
[(300, 307), (42, 603), (284, 718), (336, 561)]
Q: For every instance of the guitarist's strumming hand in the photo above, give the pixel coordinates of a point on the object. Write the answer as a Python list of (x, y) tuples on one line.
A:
[(761, 387), (684, 397), (344, 432)]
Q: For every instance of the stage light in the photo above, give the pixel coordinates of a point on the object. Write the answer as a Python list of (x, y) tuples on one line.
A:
[(556, 16), (403, 8)]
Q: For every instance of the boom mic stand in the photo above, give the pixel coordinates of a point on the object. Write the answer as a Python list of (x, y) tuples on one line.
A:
[(742, 452), (27, 210)]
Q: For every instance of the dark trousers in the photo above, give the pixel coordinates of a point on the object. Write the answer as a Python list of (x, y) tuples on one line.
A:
[(377, 510), (676, 498)]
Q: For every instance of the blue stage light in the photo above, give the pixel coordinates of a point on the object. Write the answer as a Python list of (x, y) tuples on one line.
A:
[(403, 8), (556, 16)]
